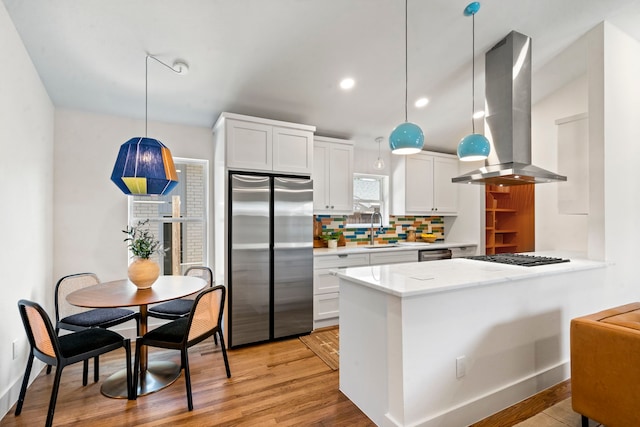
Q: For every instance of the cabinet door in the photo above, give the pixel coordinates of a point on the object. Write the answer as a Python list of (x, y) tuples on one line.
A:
[(341, 178), (324, 282), (249, 146), (326, 306), (445, 193), (292, 151), (419, 185), (320, 178), (380, 258)]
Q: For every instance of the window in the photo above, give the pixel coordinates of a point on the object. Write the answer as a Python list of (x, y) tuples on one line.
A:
[(370, 192), (179, 219)]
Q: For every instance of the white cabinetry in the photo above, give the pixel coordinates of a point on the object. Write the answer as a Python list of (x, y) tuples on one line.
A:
[(267, 145), (421, 184), (326, 296), (380, 258), (326, 293), (332, 176)]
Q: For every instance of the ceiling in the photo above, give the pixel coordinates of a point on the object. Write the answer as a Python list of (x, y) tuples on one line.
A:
[(283, 59)]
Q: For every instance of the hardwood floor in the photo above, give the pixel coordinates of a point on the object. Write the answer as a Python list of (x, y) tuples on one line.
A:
[(281, 383)]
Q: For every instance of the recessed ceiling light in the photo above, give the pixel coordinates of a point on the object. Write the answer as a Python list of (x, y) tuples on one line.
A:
[(478, 114), (347, 83), (421, 102)]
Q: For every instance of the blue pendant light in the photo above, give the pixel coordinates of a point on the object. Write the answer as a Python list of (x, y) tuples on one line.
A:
[(144, 166), (407, 138), (475, 146)]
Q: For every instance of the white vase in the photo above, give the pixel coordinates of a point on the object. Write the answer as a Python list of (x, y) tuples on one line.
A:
[(332, 244), (143, 272)]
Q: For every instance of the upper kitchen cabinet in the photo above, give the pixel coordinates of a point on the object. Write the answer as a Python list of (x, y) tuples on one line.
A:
[(255, 144), (421, 184), (332, 176)]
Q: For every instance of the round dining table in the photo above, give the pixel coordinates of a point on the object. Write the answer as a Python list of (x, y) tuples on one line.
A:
[(154, 375)]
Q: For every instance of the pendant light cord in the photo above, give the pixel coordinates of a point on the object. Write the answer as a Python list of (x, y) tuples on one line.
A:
[(181, 70), (406, 62), (473, 71)]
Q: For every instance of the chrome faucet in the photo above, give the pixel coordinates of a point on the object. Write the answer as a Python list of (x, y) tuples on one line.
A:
[(376, 211)]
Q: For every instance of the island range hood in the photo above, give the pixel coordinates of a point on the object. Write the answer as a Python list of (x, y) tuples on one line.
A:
[(508, 117)]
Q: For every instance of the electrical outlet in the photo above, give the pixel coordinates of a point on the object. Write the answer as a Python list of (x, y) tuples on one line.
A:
[(398, 229), (14, 349), (461, 368)]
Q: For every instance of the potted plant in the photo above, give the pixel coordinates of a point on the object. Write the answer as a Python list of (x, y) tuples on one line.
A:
[(142, 243), (331, 237)]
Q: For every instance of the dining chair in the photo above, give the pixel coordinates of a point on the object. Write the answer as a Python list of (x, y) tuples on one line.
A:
[(177, 308), (65, 350), (204, 320), (73, 318)]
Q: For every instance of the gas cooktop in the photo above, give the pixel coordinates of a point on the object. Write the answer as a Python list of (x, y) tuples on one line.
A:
[(519, 259)]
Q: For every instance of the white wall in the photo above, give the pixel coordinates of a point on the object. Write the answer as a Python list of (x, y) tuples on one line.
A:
[(621, 159), (26, 172), (555, 231), (89, 210), (607, 93)]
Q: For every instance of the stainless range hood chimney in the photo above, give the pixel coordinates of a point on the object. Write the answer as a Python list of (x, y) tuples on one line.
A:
[(508, 117)]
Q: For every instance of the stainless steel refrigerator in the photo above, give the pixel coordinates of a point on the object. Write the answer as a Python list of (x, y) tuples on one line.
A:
[(270, 278)]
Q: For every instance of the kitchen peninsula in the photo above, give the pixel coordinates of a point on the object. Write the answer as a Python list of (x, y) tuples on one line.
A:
[(447, 343)]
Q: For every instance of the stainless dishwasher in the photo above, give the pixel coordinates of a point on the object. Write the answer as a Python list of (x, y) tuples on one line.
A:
[(433, 254)]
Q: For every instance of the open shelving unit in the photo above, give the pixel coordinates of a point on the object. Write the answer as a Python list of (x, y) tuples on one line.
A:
[(509, 219)]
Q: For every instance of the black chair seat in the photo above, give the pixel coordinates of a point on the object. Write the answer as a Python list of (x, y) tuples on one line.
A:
[(173, 332), (74, 321), (86, 341), (99, 317), (174, 308)]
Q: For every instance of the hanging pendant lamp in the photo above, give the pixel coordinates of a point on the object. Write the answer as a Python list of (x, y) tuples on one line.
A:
[(475, 146), (407, 138), (379, 163), (144, 166)]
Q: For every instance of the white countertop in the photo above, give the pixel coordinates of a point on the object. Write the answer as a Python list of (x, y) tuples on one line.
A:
[(411, 279), (403, 246)]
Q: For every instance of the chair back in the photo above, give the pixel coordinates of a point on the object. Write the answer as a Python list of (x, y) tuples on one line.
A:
[(204, 273), (69, 284), (201, 272), (39, 329), (206, 314)]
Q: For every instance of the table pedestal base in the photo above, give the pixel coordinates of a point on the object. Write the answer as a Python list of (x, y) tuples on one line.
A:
[(158, 375)]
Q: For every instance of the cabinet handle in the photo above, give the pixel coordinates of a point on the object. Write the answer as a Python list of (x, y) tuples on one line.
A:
[(343, 255), (332, 207), (326, 206)]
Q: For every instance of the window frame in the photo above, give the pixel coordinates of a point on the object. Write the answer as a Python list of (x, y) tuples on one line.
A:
[(160, 220), (385, 201)]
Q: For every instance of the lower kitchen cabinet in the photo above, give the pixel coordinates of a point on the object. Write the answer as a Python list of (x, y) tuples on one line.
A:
[(380, 258), (326, 290), (326, 295)]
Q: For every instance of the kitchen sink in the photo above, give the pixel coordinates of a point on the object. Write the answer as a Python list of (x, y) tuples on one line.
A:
[(391, 245)]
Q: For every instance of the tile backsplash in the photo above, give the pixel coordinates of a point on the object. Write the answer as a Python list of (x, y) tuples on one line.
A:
[(390, 234)]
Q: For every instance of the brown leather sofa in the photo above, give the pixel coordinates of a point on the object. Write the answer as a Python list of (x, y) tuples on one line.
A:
[(605, 366)]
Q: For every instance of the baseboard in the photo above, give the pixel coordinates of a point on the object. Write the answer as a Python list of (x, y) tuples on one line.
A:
[(478, 409), (529, 407), (10, 397)]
